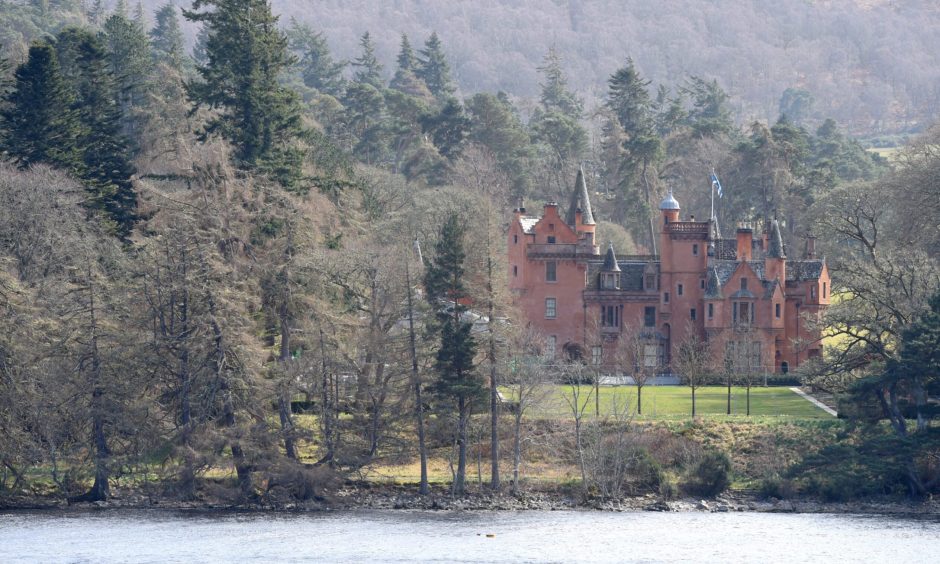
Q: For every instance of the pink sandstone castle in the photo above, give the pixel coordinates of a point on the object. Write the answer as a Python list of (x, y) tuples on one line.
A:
[(740, 295)]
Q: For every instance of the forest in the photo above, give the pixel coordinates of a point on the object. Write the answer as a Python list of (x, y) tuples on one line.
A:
[(254, 269)]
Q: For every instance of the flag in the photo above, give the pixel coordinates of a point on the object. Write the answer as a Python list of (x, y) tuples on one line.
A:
[(715, 184)]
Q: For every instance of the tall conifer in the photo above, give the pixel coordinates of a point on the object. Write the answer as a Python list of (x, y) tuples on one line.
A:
[(370, 69), (246, 55), (39, 121), (166, 38), (434, 70)]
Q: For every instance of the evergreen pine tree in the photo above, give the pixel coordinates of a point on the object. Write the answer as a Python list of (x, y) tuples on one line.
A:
[(555, 93), (317, 67), (709, 115), (406, 80), (445, 284), (166, 38), (370, 70), (246, 56), (629, 101), (131, 63), (434, 70), (105, 169), (40, 124), (406, 55), (557, 122)]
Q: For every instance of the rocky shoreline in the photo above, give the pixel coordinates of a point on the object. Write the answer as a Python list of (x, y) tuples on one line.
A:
[(351, 498)]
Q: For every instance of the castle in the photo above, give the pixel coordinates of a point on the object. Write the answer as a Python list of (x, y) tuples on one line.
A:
[(743, 296)]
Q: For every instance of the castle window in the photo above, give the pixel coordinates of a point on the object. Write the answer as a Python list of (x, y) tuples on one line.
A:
[(741, 313), (701, 283), (550, 308), (777, 310), (652, 355), (515, 270), (649, 316), (812, 293), (551, 274), (550, 346), (515, 239), (711, 311), (610, 316), (650, 282), (692, 314), (665, 297), (679, 290), (824, 290), (597, 353), (551, 239), (694, 250), (744, 283), (551, 226), (609, 281), (755, 355)]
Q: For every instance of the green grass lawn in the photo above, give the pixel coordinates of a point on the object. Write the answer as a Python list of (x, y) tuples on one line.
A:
[(675, 402)]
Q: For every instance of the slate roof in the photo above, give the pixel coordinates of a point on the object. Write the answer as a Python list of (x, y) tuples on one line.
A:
[(726, 249), (802, 270), (631, 275), (712, 285)]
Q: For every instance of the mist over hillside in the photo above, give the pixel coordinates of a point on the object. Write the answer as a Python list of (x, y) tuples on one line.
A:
[(873, 65)]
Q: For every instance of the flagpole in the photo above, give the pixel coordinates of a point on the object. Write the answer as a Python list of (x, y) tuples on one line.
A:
[(713, 195)]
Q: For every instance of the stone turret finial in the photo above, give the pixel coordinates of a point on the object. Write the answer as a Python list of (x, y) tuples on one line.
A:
[(580, 201)]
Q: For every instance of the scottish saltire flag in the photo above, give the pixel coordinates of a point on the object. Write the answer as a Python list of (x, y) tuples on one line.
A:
[(715, 184)]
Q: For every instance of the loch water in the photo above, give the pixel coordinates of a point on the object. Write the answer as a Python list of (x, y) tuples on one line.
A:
[(420, 536)]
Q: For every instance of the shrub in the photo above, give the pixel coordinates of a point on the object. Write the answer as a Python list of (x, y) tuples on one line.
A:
[(711, 476)]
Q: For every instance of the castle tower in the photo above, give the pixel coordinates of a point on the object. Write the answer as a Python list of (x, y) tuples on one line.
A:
[(775, 261), (580, 216)]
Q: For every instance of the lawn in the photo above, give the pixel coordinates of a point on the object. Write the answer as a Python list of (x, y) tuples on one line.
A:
[(675, 402)]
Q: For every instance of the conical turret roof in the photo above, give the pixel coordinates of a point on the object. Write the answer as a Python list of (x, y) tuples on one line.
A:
[(775, 241), (610, 261), (580, 201)]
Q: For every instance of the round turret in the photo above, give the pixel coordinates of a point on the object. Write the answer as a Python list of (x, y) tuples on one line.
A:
[(669, 202)]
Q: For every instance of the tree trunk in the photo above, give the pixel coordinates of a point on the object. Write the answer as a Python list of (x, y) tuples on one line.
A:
[(693, 401), (639, 400), (463, 415), (729, 396), (649, 204), (748, 400), (494, 392), (326, 408), (284, 398), (517, 447), (423, 489)]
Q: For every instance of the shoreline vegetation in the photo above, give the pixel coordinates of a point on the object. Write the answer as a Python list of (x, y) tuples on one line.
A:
[(369, 496)]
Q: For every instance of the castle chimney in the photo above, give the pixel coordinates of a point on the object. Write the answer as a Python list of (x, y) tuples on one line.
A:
[(745, 236), (810, 247)]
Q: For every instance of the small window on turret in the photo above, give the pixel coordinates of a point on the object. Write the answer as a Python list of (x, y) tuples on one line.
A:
[(515, 239), (824, 290), (515, 270), (777, 311)]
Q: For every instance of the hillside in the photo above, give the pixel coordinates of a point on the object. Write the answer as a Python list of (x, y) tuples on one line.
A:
[(873, 65)]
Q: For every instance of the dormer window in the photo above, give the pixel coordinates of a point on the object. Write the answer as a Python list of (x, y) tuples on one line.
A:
[(649, 282), (744, 283), (610, 281)]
